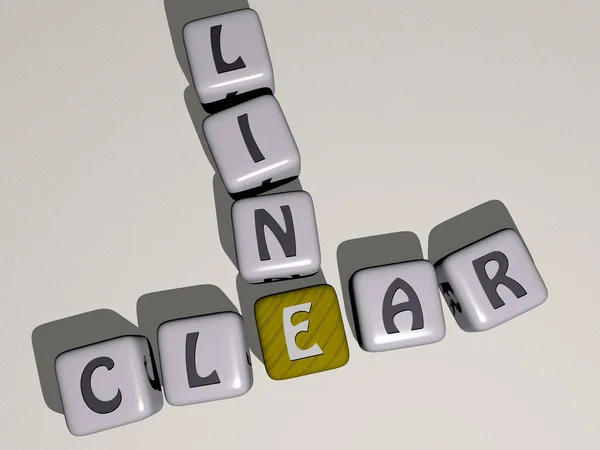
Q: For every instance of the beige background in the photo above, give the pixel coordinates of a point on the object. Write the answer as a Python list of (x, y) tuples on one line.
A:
[(405, 112)]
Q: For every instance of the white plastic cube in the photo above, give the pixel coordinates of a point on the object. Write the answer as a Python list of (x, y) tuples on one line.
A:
[(397, 306), (252, 145), (228, 55), (490, 281), (276, 237), (204, 358), (108, 384)]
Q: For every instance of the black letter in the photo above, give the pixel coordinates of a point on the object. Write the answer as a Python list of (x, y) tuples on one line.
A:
[(413, 305), (93, 402), (491, 284), (220, 64), (450, 298), (251, 144), (287, 238), (195, 380), (154, 381)]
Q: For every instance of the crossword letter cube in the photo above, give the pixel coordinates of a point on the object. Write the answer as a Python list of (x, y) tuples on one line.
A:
[(204, 358), (276, 237), (397, 306), (108, 384), (301, 332), (490, 281), (228, 55), (252, 145)]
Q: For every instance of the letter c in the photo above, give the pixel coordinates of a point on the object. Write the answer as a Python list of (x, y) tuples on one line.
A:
[(90, 399)]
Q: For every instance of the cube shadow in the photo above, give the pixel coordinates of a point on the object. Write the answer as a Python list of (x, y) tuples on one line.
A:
[(468, 227)]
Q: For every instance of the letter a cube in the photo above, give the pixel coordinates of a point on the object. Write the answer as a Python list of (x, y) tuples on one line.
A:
[(397, 306), (301, 332), (253, 146)]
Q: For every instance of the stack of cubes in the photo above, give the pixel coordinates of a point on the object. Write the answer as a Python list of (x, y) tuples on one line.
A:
[(254, 150)]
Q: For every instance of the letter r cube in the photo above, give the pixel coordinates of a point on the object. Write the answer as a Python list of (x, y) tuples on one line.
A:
[(301, 332), (490, 281)]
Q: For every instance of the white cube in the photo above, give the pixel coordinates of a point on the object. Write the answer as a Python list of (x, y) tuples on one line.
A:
[(276, 237), (252, 145), (108, 384), (397, 306), (490, 281), (204, 358), (228, 55)]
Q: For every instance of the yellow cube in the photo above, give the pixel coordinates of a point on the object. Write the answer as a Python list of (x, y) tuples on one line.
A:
[(301, 332)]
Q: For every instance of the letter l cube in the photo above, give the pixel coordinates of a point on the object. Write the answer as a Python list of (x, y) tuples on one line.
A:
[(204, 358)]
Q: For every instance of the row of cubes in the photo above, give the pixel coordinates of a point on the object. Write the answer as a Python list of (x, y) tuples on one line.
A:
[(301, 332)]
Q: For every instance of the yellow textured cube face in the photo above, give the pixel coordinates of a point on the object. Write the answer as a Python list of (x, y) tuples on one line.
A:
[(301, 332)]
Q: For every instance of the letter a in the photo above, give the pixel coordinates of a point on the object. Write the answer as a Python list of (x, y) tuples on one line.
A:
[(389, 310)]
